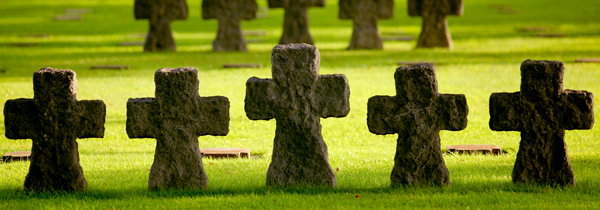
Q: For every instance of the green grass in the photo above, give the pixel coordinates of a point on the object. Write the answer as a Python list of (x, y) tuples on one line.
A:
[(487, 54)]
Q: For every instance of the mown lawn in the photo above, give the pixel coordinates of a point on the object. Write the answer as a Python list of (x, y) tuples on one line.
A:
[(488, 50)]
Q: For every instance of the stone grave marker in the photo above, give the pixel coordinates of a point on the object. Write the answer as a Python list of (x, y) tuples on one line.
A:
[(132, 43), (297, 97), (366, 15), (160, 13), (587, 60), (435, 32), (119, 67), (24, 44), (176, 117), (533, 29), (417, 114), (243, 65), (54, 119), (225, 152), (475, 149), (229, 13), (77, 11), (398, 38), (16, 156), (67, 17), (550, 35), (255, 33), (542, 111), (36, 35), (295, 25), (255, 41)]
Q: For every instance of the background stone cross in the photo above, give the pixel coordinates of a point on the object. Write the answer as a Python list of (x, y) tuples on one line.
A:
[(53, 120), (434, 32), (417, 114), (295, 26), (542, 111), (176, 117), (230, 14), (297, 97), (160, 13), (366, 15)]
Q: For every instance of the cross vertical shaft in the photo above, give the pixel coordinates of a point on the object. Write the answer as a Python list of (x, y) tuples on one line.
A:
[(417, 114), (176, 118), (542, 111), (297, 97), (229, 13), (366, 14), (54, 120)]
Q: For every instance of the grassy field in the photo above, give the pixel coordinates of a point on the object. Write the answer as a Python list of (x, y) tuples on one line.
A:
[(488, 50)]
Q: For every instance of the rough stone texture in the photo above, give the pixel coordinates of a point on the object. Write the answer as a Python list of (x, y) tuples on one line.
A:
[(54, 119), (230, 14), (160, 13), (366, 14), (297, 97), (176, 118), (542, 111), (434, 32), (417, 114), (295, 26)]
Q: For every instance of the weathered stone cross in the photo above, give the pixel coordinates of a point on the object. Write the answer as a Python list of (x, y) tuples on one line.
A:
[(542, 111), (295, 26), (366, 14), (230, 14), (160, 13), (434, 32), (176, 117), (54, 119), (297, 97), (417, 114)]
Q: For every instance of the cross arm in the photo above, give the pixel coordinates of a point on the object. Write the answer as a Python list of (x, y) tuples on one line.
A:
[(578, 109), (306, 3), (453, 7), (139, 117), (386, 9), (173, 9), (92, 116), (143, 9), (448, 7), (249, 9), (506, 111), (346, 11), (215, 116), (333, 95), (453, 111), (414, 7), (260, 99), (20, 118), (380, 110), (208, 9)]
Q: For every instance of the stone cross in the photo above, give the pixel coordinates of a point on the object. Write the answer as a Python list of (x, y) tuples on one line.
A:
[(295, 26), (175, 118), (297, 97), (542, 111), (366, 14), (160, 13), (230, 14), (417, 114), (54, 119), (434, 32)]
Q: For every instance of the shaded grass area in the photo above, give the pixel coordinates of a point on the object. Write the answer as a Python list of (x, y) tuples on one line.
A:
[(486, 58)]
